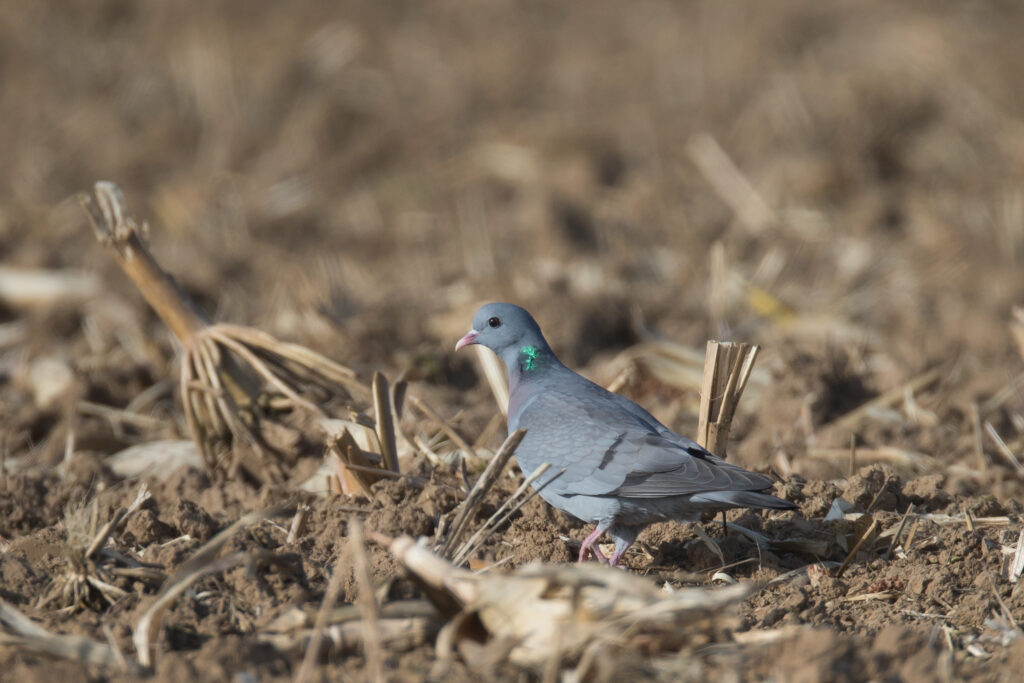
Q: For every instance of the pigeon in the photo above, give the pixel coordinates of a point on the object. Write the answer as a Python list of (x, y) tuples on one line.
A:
[(612, 463)]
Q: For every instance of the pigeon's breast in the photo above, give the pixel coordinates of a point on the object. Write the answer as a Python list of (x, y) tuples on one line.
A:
[(518, 401)]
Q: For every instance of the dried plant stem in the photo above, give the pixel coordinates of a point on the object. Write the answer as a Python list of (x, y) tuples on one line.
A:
[(298, 525), (385, 427), (227, 369), (542, 611), (122, 661), (432, 414), (476, 496), (877, 496), (101, 538), (488, 432), (729, 183), (92, 567), (117, 416), (202, 563), (853, 455), (304, 359), (889, 454), (119, 231), (350, 445), (502, 514), (899, 531), (979, 443), (968, 519), (116, 229), (412, 480), (368, 608), (911, 534), (424, 448), (727, 367), (1017, 328), (622, 378), (1017, 566), (856, 548), (494, 372), (1003, 449), (216, 333), (317, 636), (355, 472), (17, 630)]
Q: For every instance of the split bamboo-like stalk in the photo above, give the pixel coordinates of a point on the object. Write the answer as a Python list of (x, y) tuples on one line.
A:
[(727, 367)]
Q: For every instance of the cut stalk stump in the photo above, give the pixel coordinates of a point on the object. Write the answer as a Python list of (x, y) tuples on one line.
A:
[(727, 367)]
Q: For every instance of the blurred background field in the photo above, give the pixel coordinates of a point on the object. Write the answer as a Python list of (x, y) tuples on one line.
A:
[(841, 183)]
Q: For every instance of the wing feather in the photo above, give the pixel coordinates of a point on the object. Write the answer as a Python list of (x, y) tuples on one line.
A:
[(608, 450)]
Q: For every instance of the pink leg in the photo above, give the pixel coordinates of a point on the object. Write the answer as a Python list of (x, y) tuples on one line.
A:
[(623, 537), (590, 545)]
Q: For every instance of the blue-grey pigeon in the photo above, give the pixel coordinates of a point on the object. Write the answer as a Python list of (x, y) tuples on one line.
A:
[(623, 469)]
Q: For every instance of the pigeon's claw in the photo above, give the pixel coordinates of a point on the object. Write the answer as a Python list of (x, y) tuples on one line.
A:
[(589, 546), (595, 551)]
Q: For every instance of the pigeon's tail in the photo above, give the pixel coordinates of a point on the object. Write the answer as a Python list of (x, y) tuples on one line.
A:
[(743, 499)]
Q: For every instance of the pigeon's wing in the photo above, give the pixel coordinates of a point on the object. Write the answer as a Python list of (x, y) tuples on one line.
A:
[(561, 429), (607, 450), (660, 467)]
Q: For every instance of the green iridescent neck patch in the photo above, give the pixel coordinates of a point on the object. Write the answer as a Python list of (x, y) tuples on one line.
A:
[(529, 358)]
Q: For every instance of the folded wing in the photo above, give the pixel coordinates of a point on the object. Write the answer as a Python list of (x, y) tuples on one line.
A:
[(607, 450)]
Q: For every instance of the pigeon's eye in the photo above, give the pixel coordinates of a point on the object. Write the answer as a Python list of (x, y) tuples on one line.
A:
[(494, 322)]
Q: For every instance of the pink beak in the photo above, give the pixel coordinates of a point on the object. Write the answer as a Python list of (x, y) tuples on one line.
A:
[(470, 338)]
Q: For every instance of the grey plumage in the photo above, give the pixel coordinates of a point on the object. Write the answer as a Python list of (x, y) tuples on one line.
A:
[(613, 463)]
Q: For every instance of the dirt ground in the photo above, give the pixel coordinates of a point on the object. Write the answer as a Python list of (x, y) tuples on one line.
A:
[(840, 183)]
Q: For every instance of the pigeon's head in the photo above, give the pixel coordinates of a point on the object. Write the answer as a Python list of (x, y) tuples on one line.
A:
[(503, 328)]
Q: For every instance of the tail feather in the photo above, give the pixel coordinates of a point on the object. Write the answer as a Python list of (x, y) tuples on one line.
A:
[(743, 499)]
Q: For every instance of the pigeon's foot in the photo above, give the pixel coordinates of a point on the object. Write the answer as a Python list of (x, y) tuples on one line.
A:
[(590, 547), (624, 538)]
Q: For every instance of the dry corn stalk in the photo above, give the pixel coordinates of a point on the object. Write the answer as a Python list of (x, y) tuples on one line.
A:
[(727, 367), (18, 632), (561, 610), (234, 380)]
